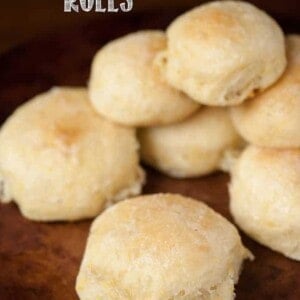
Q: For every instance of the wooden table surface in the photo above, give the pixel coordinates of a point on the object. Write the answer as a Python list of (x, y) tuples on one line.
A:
[(40, 260)]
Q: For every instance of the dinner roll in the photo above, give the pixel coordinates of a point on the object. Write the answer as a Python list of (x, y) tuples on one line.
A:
[(222, 52), (126, 85), (193, 147), (272, 119), (265, 198), (161, 247), (59, 160)]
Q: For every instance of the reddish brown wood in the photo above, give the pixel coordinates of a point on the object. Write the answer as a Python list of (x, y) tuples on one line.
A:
[(41, 261)]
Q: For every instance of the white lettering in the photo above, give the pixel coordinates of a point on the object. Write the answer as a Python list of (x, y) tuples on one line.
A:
[(129, 6), (86, 5), (99, 7), (111, 6), (70, 5)]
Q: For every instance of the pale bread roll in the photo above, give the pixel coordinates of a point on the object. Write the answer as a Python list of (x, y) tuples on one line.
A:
[(193, 147), (59, 160), (272, 118), (265, 198), (126, 85), (222, 52), (161, 246)]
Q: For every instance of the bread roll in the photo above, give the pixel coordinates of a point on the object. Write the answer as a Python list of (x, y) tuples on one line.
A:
[(161, 246), (265, 198), (59, 160), (126, 85), (272, 118), (194, 147), (223, 52)]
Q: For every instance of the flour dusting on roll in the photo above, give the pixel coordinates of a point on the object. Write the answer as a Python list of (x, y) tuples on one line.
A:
[(223, 52), (60, 160), (161, 246)]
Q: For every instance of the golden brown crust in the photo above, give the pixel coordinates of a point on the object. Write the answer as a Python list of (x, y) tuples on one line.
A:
[(160, 246), (61, 161), (126, 85), (265, 193), (220, 53), (272, 118)]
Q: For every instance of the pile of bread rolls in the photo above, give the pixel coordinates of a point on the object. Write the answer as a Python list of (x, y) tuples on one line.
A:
[(265, 182), (187, 102)]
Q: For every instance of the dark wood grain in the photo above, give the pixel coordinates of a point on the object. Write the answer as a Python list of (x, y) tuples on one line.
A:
[(41, 261)]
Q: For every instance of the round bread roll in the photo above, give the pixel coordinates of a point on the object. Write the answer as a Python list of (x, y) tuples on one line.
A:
[(126, 85), (161, 247), (222, 52), (59, 160), (194, 147), (265, 198), (272, 119)]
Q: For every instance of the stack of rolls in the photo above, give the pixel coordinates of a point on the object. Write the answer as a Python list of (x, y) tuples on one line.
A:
[(187, 102), (219, 54), (168, 85), (265, 184)]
